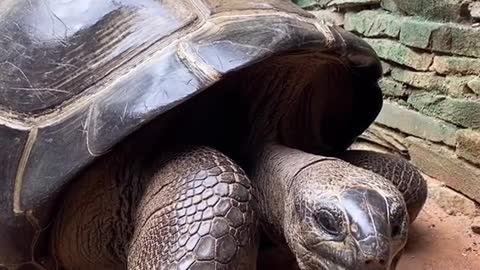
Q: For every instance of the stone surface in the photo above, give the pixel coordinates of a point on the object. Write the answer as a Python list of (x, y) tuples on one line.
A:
[(443, 10), (386, 67), (474, 9), (462, 112), (373, 23), (442, 164), (474, 85), (456, 39), (417, 33), (468, 145), (443, 37), (453, 85), (456, 65), (389, 5), (392, 88), (401, 54), (449, 200), (415, 123), (424, 80), (457, 86), (329, 16), (387, 138), (367, 145)]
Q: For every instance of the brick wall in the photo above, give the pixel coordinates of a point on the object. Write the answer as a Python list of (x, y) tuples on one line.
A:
[(431, 55)]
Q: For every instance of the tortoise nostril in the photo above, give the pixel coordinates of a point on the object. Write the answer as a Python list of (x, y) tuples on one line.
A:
[(368, 261), (382, 262)]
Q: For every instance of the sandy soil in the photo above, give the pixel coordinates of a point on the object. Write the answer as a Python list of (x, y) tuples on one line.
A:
[(441, 242)]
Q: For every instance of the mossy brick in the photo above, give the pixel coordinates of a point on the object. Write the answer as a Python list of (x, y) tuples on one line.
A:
[(456, 39), (468, 145), (438, 10), (417, 33), (441, 163), (392, 88), (373, 23), (458, 86), (456, 65), (395, 52), (461, 112), (417, 79), (451, 38), (414, 123)]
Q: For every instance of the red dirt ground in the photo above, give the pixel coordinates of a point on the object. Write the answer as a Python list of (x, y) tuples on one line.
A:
[(441, 242)]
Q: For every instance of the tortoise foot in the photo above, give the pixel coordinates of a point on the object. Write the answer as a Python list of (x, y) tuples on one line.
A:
[(188, 209), (208, 222)]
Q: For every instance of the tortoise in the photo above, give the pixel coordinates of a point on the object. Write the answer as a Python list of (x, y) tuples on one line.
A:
[(199, 134)]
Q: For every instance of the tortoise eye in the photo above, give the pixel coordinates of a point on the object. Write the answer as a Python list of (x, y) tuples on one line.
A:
[(329, 222)]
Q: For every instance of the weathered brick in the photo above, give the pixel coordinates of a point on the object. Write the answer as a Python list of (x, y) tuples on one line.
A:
[(417, 33), (462, 112), (444, 10), (424, 80), (361, 144), (389, 5), (474, 85), (457, 39), (392, 88), (456, 65), (441, 163), (474, 9), (442, 37), (329, 16), (449, 200), (373, 23), (401, 54), (415, 123), (457, 86), (468, 145), (386, 67), (387, 138)]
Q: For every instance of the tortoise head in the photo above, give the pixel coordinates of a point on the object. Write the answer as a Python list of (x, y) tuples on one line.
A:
[(343, 217)]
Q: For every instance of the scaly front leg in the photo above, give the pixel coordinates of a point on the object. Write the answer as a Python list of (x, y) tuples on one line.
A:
[(190, 210)]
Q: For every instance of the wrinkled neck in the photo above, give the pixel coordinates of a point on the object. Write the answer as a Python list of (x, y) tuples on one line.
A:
[(275, 172)]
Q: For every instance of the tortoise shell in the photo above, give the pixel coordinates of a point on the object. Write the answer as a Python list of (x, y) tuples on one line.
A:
[(78, 76)]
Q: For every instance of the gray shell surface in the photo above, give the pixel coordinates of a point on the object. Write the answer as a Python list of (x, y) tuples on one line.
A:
[(78, 76)]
